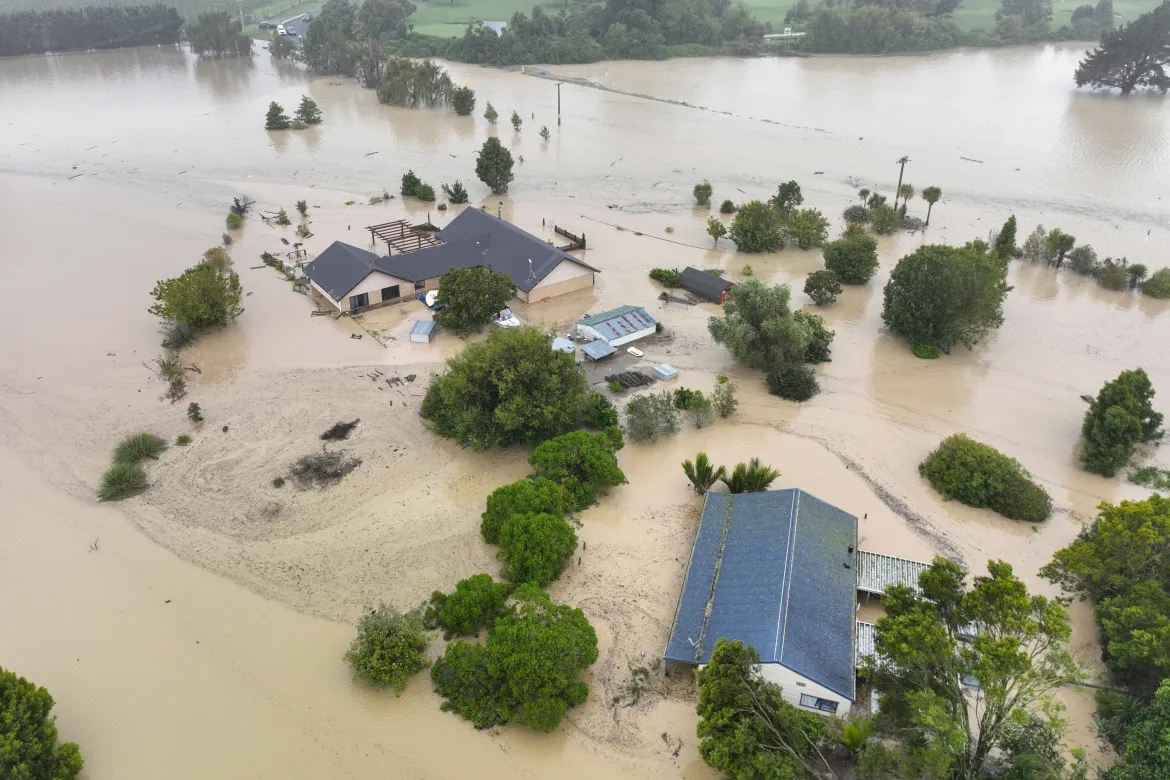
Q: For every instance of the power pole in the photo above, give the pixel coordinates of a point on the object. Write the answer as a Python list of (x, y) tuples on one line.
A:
[(902, 170), (559, 102)]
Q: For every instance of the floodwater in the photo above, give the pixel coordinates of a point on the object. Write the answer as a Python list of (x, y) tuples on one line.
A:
[(202, 635)]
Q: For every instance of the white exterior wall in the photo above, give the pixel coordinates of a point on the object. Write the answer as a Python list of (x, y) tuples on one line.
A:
[(792, 685), (326, 296), (564, 271), (565, 278), (376, 281)]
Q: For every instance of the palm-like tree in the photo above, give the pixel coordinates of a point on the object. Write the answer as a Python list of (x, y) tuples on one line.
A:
[(906, 192), (863, 194), (901, 161), (702, 473), (931, 196), (1137, 274), (750, 477)]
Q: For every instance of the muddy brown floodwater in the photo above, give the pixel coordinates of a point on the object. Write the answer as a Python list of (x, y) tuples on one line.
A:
[(197, 630)]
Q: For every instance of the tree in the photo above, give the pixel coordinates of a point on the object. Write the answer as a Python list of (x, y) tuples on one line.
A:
[(1059, 243), (308, 112), (516, 121), (490, 113), (757, 228), (1119, 417), (806, 227), (897, 190), (584, 464), (1113, 274), (759, 329), (746, 729), (820, 338), (475, 603), (1135, 55), (535, 547), (702, 193), (276, 119), (1035, 248), (280, 47), (792, 381), (1136, 272), (702, 473), (1005, 240), (978, 475), (28, 734), (723, 396), (884, 219), (750, 477), (376, 19), (282, 218), (1018, 658), (931, 195), (545, 133), (906, 192), (1158, 285), (526, 672), (411, 83), (855, 215), (1145, 754), (199, 299), (716, 229), (727, 207), (494, 166), (462, 99), (531, 495), (667, 277), (389, 649), (852, 258), (470, 297), (410, 184), (822, 287), (650, 416), (303, 208), (371, 60), (512, 388), (787, 197), (218, 34), (943, 296), (1083, 260), (1121, 565)]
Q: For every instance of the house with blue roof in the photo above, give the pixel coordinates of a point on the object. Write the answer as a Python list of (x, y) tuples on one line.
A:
[(618, 326), (775, 570)]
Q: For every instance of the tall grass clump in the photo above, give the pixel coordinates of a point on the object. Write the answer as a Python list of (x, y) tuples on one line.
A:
[(141, 445), (121, 479), (981, 476)]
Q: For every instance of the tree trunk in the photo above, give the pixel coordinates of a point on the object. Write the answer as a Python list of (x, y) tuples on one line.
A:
[(929, 206), (1059, 260), (898, 191)]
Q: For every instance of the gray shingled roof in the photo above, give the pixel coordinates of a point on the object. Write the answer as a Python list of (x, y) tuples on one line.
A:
[(703, 284), (340, 268), (769, 569)]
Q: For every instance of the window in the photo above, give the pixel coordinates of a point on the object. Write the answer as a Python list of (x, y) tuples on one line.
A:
[(359, 301), (390, 293), (824, 705), (420, 285)]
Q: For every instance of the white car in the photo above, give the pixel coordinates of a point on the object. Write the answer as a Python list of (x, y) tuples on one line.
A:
[(280, 30)]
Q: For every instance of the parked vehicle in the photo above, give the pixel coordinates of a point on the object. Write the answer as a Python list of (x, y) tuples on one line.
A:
[(307, 18), (280, 30), (266, 25)]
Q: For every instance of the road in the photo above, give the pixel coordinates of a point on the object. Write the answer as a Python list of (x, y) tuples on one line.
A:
[(297, 28)]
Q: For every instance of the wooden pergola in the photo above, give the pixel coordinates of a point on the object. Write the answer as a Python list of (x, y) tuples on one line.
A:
[(401, 236)]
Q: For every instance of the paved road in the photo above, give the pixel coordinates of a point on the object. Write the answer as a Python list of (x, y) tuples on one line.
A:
[(299, 27)]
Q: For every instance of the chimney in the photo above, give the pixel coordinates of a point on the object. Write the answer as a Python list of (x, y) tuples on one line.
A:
[(531, 273), (500, 210)]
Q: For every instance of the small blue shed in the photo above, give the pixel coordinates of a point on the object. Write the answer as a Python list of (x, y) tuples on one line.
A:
[(423, 331)]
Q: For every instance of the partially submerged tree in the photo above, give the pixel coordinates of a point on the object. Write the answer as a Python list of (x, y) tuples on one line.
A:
[(979, 475), (806, 227), (490, 113), (474, 604), (28, 734), (716, 229), (218, 34), (822, 287), (1121, 416), (199, 299), (1005, 240), (389, 649), (931, 195), (413, 84), (469, 298), (702, 473), (787, 197), (792, 381), (1059, 244), (493, 166), (750, 477), (308, 111), (535, 547), (531, 495), (852, 259), (757, 227), (584, 464), (463, 100), (1134, 55), (758, 326), (456, 193), (723, 396), (516, 121), (702, 193), (650, 416), (276, 119), (1145, 754)]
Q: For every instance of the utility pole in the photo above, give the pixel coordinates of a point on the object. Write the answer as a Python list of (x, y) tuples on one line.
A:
[(902, 170), (559, 102)]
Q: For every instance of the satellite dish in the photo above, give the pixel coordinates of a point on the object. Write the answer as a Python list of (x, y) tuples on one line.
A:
[(432, 296)]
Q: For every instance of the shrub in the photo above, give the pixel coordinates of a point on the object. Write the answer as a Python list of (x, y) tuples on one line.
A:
[(339, 431), (884, 220), (532, 495), (303, 208), (141, 445), (456, 193), (822, 287), (723, 396), (490, 113), (750, 477), (747, 270), (425, 193), (1083, 260), (667, 277), (616, 386), (1158, 285), (852, 259), (600, 413), (820, 338), (583, 464), (685, 398), (703, 473), (282, 218), (926, 352), (121, 479), (276, 119), (650, 416), (535, 547), (234, 221), (278, 482), (703, 412), (1151, 477), (475, 603), (323, 468), (1113, 274), (727, 207), (303, 231), (856, 214), (702, 193), (410, 184), (981, 476), (217, 258), (389, 649), (183, 439), (792, 381), (28, 734)]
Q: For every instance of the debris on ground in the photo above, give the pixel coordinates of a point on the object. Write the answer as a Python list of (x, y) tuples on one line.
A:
[(323, 468), (339, 431), (630, 379)]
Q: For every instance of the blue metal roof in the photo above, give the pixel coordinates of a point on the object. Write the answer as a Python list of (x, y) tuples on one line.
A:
[(622, 321), (423, 328), (596, 350), (769, 569)]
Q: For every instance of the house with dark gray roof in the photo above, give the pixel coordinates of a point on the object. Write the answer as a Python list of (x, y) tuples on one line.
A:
[(705, 285), (352, 279), (775, 570)]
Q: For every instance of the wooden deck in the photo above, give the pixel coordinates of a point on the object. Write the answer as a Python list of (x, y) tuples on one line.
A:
[(400, 236)]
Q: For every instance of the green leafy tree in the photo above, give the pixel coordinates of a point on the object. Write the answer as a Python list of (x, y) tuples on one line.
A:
[(943, 295), (276, 119), (981, 476), (532, 495), (787, 197), (1035, 248), (723, 396), (389, 649), (806, 227), (1121, 565), (1113, 274), (493, 166), (1005, 240), (456, 193), (425, 193), (199, 299), (1158, 285), (667, 277), (282, 218), (600, 414), (884, 220), (820, 338), (650, 416), (852, 259), (512, 388), (28, 734), (759, 328), (905, 192), (516, 121), (822, 287), (411, 83), (716, 229), (410, 184), (1134, 55), (750, 477), (218, 34), (1083, 260), (727, 207), (792, 381), (308, 111), (475, 603), (855, 215), (490, 113), (280, 47), (757, 227), (583, 463), (1018, 656), (702, 193), (746, 729), (702, 473), (470, 297), (1146, 754), (526, 672), (1059, 244), (931, 195), (463, 100), (377, 19), (1027, 14), (1119, 417), (535, 547)]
